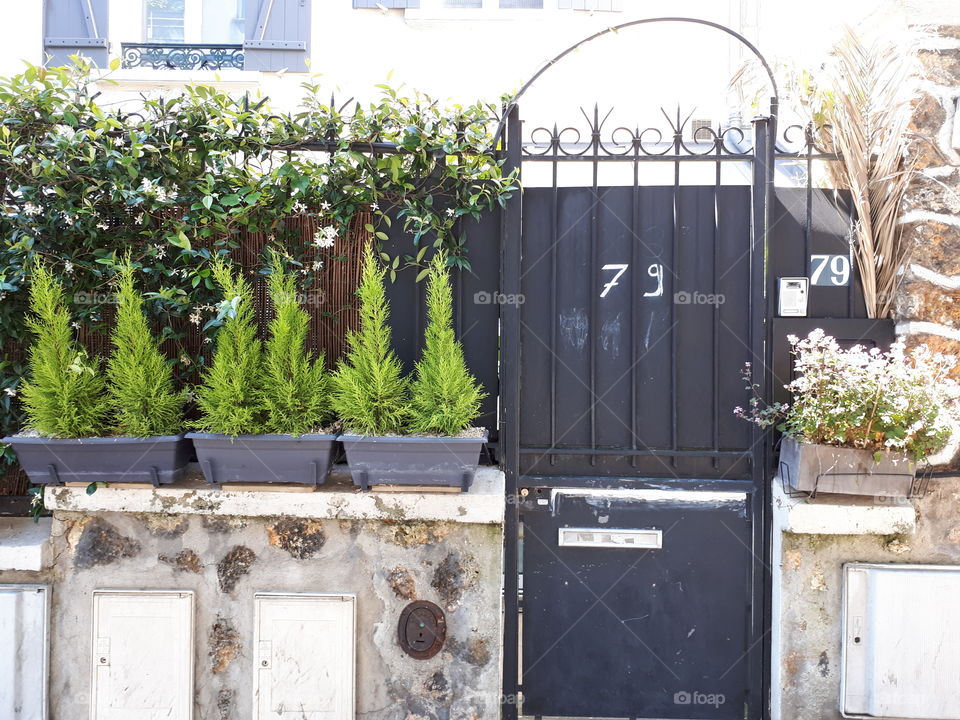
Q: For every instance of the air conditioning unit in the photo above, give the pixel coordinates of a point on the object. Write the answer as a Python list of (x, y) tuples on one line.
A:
[(901, 642)]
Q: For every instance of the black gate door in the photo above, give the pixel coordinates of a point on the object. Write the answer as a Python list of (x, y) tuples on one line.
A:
[(635, 574)]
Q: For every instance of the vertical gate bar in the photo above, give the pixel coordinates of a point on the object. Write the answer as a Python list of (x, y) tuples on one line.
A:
[(635, 287), (808, 219), (761, 293), (510, 275), (594, 268), (675, 240), (554, 321), (716, 307), (851, 308)]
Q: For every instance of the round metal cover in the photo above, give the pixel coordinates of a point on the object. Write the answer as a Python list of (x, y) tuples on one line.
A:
[(422, 629)]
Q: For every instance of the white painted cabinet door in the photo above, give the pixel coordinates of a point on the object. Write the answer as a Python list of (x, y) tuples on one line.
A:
[(142, 655), (304, 657), (24, 647)]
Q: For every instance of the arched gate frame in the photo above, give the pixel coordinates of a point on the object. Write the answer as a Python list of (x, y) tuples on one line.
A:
[(636, 513)]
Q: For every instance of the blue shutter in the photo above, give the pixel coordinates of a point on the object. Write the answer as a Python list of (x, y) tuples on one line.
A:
[(277, 35), (72, 27)]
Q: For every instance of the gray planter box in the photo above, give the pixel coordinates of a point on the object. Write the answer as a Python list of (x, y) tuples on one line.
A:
[(264, 458), (827, 469), (392, 460), (50, 461)]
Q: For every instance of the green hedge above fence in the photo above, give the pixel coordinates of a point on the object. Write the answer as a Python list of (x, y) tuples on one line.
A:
[(176, 180)]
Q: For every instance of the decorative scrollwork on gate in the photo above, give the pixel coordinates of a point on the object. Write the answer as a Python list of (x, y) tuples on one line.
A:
[(181, 56), (596, 142)]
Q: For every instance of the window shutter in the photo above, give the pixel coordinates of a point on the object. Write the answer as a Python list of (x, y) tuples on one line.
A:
[(72, 27), (277, 35)]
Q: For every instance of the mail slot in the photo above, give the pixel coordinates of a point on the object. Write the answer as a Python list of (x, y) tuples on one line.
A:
[(644, 539)]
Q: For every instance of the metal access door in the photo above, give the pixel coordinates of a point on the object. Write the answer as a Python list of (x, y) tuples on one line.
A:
[(625, 604), (636, 543)]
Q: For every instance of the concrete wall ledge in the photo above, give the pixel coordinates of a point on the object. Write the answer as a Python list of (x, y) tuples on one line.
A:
[(841, 514), (337, 499), (24, 543)]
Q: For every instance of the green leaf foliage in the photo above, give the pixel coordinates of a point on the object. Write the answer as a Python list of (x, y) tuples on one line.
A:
[(445, 397), (295, 383), (369, 390), (141, 381), (65, 395), (229, 399)]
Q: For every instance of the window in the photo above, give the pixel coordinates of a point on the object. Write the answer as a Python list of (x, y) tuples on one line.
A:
[(701, 131), (164, 20)]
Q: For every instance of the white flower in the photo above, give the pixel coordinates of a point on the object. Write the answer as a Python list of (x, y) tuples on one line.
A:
[(299, 207), (147, 187), (195, 318), (325, 237), (161, 251), (451, 212), (324, 206), (318, 264), (75, 325), (68, 266), (103, 225), (10, 392), (31, 210), (138, 219), (374, 207)]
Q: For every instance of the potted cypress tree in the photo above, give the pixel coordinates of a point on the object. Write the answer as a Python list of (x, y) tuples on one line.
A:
[(399, 433), (83, 428), (263, 407)]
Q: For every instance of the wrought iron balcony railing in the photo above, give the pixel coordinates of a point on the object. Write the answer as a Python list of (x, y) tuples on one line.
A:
[(182, 56)]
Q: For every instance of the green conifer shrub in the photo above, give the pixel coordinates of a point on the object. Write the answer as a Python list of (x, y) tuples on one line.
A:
[(444, 396), (229, 398), (295, 383), (369, 390), (142, 390), (65, 395)]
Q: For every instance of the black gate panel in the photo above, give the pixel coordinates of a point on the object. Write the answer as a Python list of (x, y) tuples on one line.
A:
[(635, 326), (631, 632)]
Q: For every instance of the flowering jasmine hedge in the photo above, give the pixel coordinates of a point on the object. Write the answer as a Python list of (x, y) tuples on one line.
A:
[(185, 178)]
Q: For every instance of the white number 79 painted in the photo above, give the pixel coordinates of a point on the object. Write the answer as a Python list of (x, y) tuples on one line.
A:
[(620, 270)]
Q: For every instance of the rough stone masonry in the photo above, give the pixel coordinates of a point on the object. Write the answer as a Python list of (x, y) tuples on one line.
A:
[(928, 305), (224, 560)]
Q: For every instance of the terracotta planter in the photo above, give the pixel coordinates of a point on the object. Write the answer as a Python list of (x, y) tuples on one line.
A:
[(51, 461), (827, 469), (302, 459), (392, 460)]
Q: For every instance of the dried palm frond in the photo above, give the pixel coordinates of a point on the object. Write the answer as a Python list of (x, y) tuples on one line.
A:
[(867, 107)]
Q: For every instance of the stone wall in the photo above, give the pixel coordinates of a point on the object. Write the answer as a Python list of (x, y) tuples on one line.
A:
[(928, 307), (224, 560), (808, 578)]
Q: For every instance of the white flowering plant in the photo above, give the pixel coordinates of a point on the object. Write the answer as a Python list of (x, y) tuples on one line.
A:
[(863, 398)]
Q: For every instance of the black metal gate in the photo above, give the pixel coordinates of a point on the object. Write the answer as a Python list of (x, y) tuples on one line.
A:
[(635, 539)]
